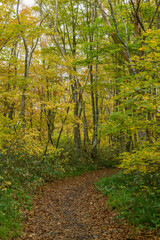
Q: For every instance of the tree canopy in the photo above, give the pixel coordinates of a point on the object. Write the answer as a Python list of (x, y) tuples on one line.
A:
[(86, 71)]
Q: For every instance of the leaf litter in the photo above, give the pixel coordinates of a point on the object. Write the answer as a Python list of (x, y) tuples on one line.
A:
[(72, 209)]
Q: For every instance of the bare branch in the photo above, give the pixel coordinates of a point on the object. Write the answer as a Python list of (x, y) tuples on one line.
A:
[(123, 24), (138, 5), (104, 15), (150, 25), (115, 23), (17, 11), (137, 16), (56, 16), (18, 18)]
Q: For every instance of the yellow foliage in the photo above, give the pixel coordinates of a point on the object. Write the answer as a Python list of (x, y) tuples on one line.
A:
[(145, 160)]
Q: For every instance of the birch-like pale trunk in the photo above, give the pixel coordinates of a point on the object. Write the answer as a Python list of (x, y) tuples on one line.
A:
[(28, 59)]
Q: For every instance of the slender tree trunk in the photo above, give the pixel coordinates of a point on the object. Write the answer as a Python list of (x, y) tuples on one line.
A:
[(61, 130), (94, 118), (85, 129), (77, 135)]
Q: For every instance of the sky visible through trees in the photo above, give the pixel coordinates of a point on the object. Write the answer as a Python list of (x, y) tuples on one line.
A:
[(29, 2)]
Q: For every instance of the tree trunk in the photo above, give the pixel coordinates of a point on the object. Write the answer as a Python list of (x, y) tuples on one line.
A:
[(85, 129)]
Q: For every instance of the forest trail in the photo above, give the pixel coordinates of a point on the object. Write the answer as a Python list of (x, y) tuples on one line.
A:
[(72, 209)]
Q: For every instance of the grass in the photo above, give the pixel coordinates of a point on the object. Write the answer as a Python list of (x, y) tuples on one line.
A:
[(136, 198)]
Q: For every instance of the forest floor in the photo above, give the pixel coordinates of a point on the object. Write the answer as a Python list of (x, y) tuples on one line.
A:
[(72, 209)]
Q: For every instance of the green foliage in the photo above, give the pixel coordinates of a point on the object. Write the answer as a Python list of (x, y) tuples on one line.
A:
[(13, 198), (9, 215), (135, 197), (107, 157), (146, 159), (76, 161), (20, 174)]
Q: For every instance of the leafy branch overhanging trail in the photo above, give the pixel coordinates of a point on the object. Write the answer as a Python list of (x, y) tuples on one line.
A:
[(72, 209)]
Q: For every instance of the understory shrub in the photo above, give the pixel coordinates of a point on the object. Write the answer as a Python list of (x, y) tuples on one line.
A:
[(135, 196), (20, 174)]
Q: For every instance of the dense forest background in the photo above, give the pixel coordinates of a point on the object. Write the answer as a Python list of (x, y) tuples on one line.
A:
[(79, 86)]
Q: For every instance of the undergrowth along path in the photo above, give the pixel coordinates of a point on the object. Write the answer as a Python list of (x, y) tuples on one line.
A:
[(72, 209)]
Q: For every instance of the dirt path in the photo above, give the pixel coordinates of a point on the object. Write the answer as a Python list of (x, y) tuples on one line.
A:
[(72, 209)]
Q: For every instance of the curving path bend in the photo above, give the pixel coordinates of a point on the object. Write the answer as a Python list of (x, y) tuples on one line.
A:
[(72, 209)]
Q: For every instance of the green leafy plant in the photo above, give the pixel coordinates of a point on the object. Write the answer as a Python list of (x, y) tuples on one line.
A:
[(135, 197)]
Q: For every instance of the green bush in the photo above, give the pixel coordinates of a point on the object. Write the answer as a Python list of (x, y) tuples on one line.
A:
[(19, 176), (135, 196)]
